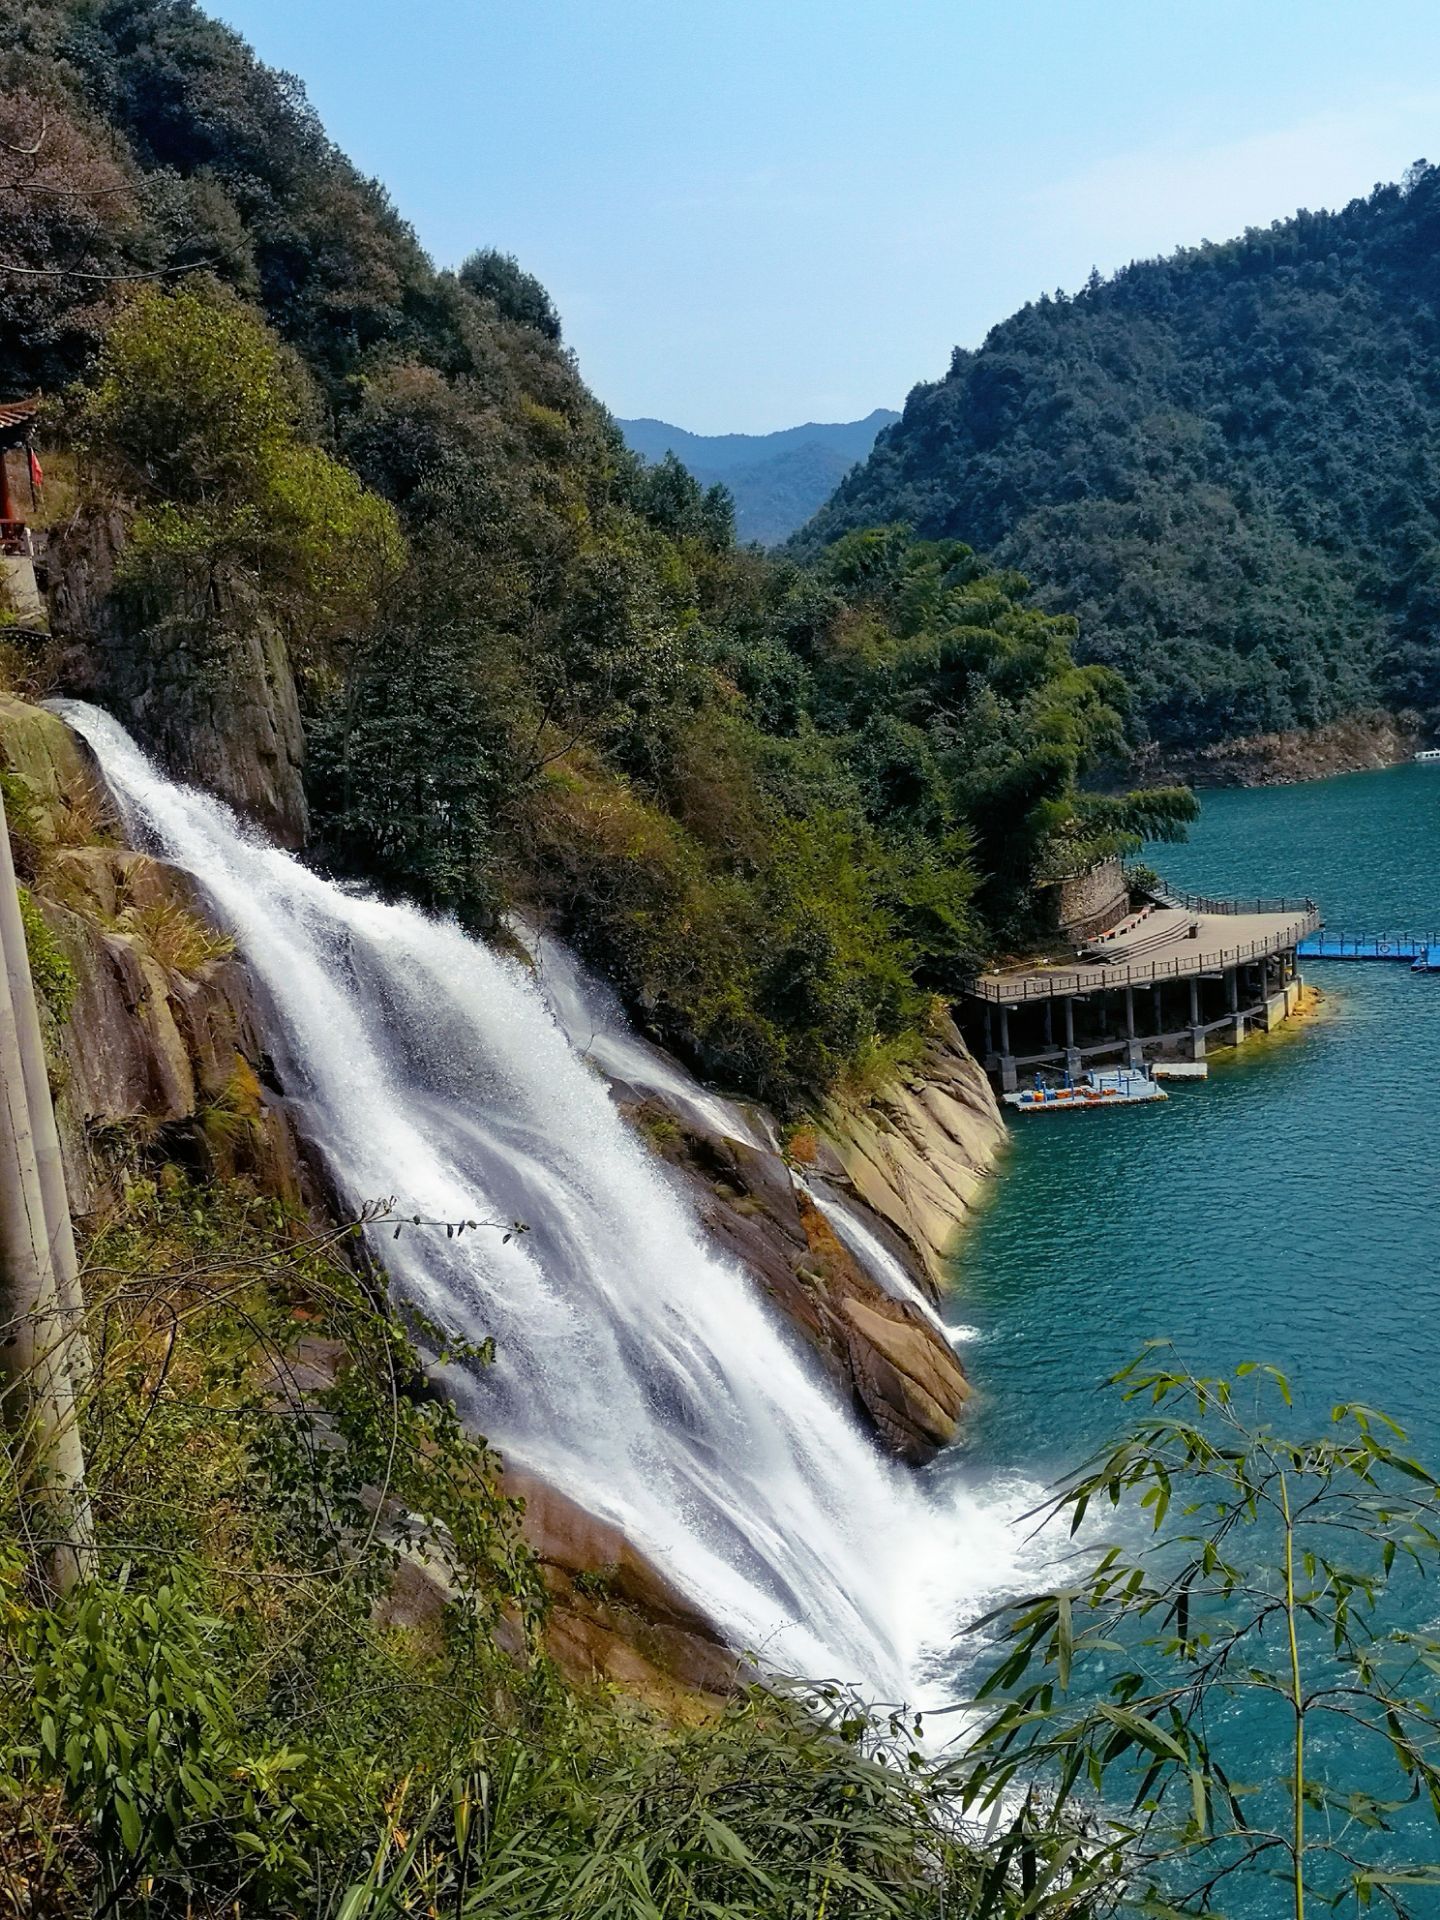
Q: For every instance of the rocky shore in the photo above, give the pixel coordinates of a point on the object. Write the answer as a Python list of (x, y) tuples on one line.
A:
[(1358, 743)]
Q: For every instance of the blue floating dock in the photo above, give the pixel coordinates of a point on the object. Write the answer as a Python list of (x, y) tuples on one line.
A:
[(1422, 950)]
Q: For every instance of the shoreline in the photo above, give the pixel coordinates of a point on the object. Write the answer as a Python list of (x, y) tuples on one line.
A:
[(1356, 743)]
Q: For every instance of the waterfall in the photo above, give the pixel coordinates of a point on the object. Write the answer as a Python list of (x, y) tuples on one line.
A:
[(636, 1368)]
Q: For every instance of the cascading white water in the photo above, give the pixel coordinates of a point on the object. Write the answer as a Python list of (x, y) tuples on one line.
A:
[(636, 1369), (872, 1253), (591, 1019)]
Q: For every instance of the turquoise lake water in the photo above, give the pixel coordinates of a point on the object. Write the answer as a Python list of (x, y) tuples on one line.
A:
[(1285, 1211)]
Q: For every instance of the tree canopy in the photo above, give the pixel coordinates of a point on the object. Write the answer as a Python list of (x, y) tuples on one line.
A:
[(1223, 463)]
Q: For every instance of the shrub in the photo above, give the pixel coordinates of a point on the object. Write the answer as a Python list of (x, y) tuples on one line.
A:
[(50, 967)]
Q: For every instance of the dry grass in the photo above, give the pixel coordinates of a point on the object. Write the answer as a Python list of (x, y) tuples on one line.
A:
[(801, 1146), (84, 818), (179, 939)]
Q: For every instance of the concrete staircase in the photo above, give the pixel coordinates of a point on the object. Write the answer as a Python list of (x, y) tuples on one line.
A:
[(1150, 934)]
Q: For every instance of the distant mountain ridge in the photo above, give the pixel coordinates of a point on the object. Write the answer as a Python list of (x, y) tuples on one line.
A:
[(778, 479)]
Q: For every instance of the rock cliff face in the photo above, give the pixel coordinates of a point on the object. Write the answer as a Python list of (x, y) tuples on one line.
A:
[(850, 1234), (919, 1153), (1356, 744), (612, 1612), (882, 1352), (217, 706)]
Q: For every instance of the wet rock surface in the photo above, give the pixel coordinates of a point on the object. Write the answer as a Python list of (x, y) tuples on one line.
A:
[(908, 1165), (152, 1054), (613, 1614)]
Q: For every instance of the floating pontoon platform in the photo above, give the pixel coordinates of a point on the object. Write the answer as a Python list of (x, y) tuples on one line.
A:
[(1422, 950), (1181, 1070)]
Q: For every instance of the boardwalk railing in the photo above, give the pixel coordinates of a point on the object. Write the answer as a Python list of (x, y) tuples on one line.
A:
[(1058, 982), (1369, 946), (1168, 896)]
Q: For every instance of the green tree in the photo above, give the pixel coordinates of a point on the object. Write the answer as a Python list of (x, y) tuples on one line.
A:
[(500, 279), (196, 412), (1224, 1689), (409, 767)]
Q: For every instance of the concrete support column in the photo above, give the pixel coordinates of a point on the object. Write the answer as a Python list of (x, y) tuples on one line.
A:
[(1072, 1052), (1049, 1026), (1155, 1001), (37, 1399), (1194, 1001), (1008, 1078), (989, 1031), (1133, 1051)]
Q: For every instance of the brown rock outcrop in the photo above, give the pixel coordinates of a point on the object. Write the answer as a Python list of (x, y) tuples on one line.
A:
[(920, 1152), (219, 709), (613, 1614), (148, 1050), (908, 1388), (883, 1353)]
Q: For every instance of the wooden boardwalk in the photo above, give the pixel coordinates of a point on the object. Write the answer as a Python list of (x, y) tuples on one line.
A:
[(1218, 941)]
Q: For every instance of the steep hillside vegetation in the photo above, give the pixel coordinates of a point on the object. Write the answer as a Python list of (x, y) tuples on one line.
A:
[(1225, 463), (780, 806), (777, 480)]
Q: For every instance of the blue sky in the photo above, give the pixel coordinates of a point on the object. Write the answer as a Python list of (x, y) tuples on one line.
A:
[(756, 212)]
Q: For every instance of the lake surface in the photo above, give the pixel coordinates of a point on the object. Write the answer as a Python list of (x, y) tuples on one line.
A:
[(1285, 1210)]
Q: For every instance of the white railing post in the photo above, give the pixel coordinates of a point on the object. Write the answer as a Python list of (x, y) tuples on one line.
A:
[(37, 1390)]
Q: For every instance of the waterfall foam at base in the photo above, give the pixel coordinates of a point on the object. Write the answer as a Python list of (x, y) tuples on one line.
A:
[(636, 1368)]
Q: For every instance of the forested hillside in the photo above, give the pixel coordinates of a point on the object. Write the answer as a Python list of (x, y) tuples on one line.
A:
[(780, 806), (778, 479), (1225, 464)]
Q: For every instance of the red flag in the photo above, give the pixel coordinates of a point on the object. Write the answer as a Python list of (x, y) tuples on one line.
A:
[(37, 472)]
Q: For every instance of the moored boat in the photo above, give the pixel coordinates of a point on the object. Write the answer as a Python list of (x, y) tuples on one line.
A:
[(1108, 1087)]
